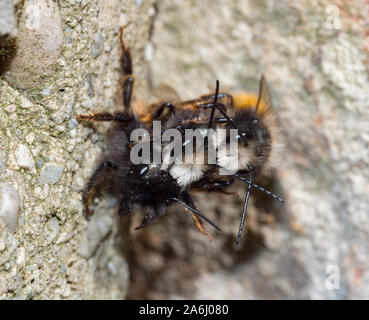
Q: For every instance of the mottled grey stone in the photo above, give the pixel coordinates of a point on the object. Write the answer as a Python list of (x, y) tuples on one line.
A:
[(39, 44), (97, 45), (42, 90), (8, 18), (97, 229), (51, 173), (9, 205), (24, 157)]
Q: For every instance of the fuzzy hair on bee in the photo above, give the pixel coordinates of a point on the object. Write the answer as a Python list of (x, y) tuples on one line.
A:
[(153, 187), (260, 141), (148, 187)]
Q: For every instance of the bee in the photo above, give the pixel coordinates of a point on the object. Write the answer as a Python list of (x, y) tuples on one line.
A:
[(260, 143), (149, 187), (154, 187)]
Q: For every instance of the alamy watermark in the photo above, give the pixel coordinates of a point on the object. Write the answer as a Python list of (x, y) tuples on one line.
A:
[(198, 146), (332, 281), (332, 18)]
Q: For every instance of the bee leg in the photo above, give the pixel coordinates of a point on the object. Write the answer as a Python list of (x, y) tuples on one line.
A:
[(219, 106), (124, 207), (128, 81), (216, 186), (105, 116), (127, 69), (145, 222), (198, 223), (165, 105), (200, 227), (213, 185), (162, 107), (150, 217), (88, 191), (244, 209), (215, 120), (206, 101)]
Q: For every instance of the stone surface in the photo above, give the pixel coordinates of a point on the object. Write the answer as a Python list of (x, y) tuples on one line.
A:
[(9, 205), (39, 44), (24, 157), (51, 173), (46, 157), (317, 69), (8, 19)]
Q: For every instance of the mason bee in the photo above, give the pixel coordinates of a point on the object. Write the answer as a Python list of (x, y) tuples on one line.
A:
[(153, 187), (260, 144), (146, 186)]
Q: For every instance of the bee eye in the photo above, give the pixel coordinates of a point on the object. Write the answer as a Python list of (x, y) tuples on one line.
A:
[(255, 121)]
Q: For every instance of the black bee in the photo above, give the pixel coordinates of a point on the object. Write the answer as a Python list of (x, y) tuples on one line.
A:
[(147, 186), (153, 187), (259, 144)]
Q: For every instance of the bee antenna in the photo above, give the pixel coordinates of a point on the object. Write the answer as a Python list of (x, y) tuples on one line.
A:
[(261, 89), (244, 210), (198, 213), (220, 107), (214, 104), (260, 188)]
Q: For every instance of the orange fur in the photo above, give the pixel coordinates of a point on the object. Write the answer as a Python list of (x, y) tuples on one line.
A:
[(246, 100)]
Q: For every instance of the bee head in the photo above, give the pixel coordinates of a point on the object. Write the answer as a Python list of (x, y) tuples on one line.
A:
[(250, 128), (254, 139)]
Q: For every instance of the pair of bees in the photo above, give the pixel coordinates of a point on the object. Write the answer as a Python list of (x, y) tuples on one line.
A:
[(155, 187)]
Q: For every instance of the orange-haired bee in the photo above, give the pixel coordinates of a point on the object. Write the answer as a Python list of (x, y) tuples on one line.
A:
[(155, 186), (260, 144)]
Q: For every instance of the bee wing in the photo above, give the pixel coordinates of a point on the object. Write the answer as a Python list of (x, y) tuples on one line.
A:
[(264, 103), (160, 95), (164, 92)]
